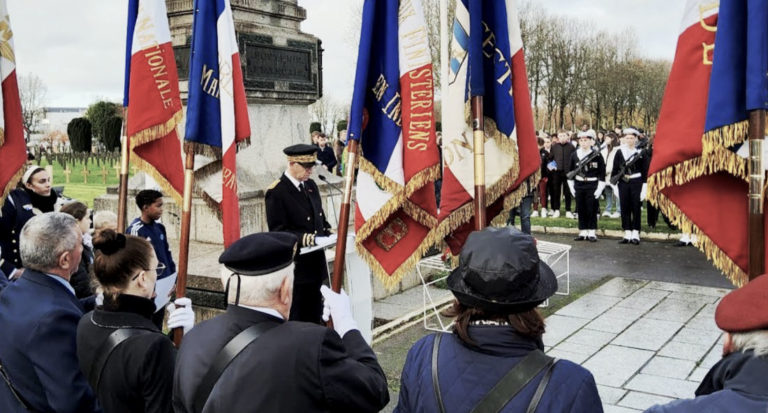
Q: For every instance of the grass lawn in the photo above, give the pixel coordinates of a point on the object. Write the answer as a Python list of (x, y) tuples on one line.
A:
[(77, 188), (602, 222)]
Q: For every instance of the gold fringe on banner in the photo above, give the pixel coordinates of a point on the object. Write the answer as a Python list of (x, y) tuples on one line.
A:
[(202, 149), (11, 184), (720, 259), (391, 281), (156, 132), (399, 198), (419, 214), (2, 137), (150, 170), (725, 136)]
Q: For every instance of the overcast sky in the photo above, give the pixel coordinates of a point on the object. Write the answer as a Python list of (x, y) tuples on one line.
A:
[(77, 47)]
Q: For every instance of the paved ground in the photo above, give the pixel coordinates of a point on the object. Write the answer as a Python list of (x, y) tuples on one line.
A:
[(654, 319)]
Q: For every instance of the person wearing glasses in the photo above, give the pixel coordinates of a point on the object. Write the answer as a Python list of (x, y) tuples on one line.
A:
[(293, 205), (148, 226), (135, 374)]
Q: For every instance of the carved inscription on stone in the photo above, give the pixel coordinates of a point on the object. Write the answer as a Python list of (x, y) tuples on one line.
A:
[(273, 63)]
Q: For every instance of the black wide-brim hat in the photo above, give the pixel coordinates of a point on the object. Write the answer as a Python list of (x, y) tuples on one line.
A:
[(500, 272)]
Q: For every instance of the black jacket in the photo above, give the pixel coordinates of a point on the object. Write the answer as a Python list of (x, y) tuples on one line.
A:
[(19, 207), (561, 153), (138, 376), (291, 211), (81, 280), (294, 367)]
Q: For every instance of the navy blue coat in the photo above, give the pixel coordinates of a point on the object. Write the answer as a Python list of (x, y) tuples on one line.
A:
[(38, 321), (735, 384), (17, 210), (467, 375)]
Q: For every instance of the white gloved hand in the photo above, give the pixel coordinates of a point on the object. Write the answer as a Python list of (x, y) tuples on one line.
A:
[(572, 187), (599, 190), (643, 192), (336, 305), (181, 314), (322, 241)]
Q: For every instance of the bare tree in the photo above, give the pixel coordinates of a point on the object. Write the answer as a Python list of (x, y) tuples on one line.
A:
[(32, 92), (327, 111)]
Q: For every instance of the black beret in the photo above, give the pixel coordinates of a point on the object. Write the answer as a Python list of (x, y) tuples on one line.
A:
[(301, 153), (260, 253)]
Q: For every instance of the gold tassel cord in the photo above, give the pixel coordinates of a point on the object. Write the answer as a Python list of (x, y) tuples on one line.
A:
[(719, 259), (155, 132)]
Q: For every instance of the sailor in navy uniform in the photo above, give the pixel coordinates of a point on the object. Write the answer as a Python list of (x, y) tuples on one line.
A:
[(293, 205), (587, 185), (632, 185)]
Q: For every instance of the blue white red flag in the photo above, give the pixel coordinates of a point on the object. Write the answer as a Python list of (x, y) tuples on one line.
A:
[(152, 96), (217, 111), (487, 60), (392, 116), (718, 76), (13, 150)]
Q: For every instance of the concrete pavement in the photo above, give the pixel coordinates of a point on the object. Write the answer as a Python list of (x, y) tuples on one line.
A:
[(639, 317)]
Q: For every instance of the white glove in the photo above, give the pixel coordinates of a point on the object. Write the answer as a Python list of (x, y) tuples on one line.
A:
[(599, 190), (572, 187), (325, 240), (643, 192), (336, 305), (181, 316)]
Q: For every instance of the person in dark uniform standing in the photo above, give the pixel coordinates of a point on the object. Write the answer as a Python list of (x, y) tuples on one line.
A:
[(561, 153), (587, 185), (281, 366), (293, 205), (632, 184)]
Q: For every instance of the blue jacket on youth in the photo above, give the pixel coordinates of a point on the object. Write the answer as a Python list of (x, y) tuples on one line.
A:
[(38, 350), (467, 375), (154, 232)]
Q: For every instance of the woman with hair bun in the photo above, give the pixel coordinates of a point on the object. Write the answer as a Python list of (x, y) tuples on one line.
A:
[(128, 361)]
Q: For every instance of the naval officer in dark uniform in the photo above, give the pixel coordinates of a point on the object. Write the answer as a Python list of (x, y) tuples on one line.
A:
[(279, 366), (632, 184), (293, 205), (587, 185)]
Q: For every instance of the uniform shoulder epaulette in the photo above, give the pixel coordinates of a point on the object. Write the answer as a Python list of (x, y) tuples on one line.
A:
[(273, 184)]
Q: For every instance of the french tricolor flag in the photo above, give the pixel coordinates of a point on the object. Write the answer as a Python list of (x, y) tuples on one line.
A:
[(217, 111), (151, 96), (12, 146)]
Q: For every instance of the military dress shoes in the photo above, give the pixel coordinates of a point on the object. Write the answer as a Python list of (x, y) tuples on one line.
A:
[(624, 241), (592, 239), (580, 238), (634, 241), (683, 244)]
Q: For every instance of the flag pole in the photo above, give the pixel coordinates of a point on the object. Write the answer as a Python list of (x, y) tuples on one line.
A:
[(186, 217), (341, 242), (479, 151), (756, 221), (122, 192)]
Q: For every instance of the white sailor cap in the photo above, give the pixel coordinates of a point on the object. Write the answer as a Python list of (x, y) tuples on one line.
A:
[(587, 134), (31, 170), (631, 131)]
